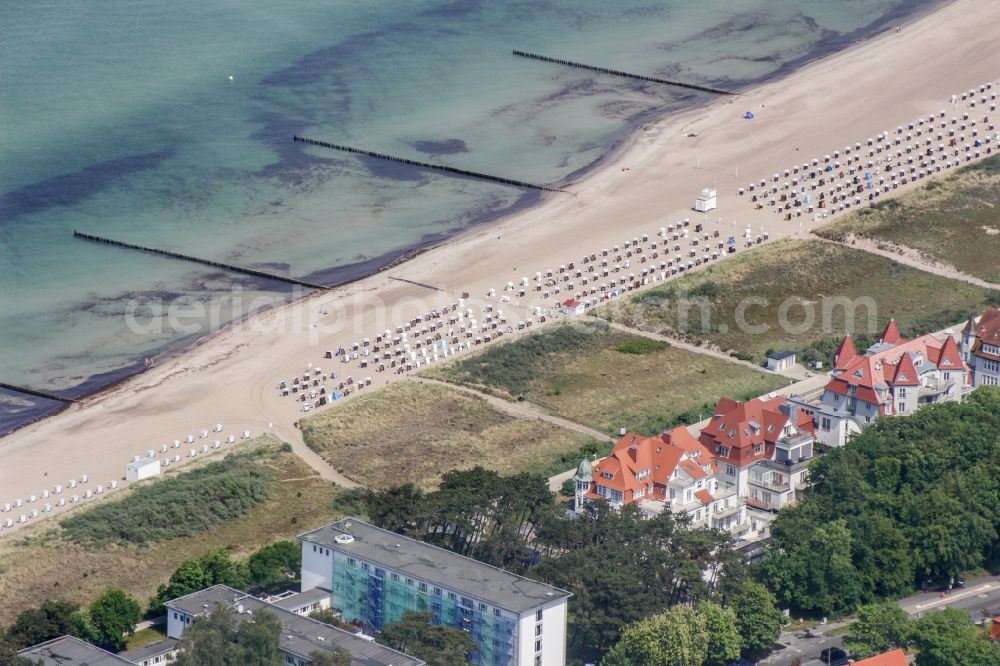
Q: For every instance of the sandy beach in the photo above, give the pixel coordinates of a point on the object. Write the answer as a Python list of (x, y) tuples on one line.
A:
[(649, 182)]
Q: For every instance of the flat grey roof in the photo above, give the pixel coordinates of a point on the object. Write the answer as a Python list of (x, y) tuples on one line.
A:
[(435, 565), (300, 599), (71, 651), (299, 634), (145, 652), (780, 355)]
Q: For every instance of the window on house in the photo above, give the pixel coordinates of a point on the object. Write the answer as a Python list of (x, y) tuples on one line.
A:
[(352, 562), (395, 577), (538, 660), (409, 581), (757, 448), (422, 587), (364, 566), (730, 470), (496, 612), (451, 596), (826, 423), (538, 630), (538, 615), (538, 646)]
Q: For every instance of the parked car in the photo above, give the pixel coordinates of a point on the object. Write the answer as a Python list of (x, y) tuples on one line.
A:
[(834, 656)]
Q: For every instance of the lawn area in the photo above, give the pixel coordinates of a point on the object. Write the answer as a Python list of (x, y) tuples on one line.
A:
[(144, 637), (607, 379), (954, 219), (43, 561), (795, 294), (413, 432)]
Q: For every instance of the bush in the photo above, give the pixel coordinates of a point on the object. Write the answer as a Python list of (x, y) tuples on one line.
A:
[(637, 345), (513, 365), (187, 504)]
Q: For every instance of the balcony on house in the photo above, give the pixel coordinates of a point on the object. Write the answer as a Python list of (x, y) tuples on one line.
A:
[(933, 388)]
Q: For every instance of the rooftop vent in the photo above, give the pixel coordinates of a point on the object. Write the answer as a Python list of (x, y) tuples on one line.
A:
[(344, 538)]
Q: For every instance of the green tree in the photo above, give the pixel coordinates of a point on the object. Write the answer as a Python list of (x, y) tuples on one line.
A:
[(114, 615), (816, 574), (257, 641), (208, 641), (676, 637), (879, 628), (36, 625), (9, 656), (274, 567), (724, 639), (437, 645), (189, 577), (215, 567), (758, 619), (336, 657), (949, 638), (568, 488)]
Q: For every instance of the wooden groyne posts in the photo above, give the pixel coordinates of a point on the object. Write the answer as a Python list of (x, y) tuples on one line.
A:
[(427, 165), (197, 260), (616, 72), (36, 393)]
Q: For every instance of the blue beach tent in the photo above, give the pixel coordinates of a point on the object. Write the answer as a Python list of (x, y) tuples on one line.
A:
[(748, 115)]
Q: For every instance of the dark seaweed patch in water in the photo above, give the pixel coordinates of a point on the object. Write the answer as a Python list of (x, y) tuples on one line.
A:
[(445, 147), (72, 188)]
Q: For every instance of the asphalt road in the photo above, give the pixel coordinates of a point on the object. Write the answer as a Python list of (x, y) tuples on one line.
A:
[(980, 595)]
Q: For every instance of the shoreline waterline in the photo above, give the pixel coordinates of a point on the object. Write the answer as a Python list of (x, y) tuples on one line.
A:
[(103, 383)]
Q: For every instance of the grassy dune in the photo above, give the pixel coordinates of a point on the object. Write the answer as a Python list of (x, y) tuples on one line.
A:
[(607, 379), (43, 561), (822, 289), (954, 219), (413, 432)]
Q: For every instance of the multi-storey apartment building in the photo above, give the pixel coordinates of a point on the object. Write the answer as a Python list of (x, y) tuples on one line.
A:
[(374, 576)]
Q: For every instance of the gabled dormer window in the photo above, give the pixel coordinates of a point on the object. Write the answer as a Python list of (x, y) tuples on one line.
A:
[(607, 475)]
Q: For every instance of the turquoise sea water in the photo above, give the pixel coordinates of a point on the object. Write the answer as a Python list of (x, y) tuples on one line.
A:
[(120, 118)]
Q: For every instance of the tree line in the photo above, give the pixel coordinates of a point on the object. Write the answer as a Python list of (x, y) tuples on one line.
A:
[(911, 500)]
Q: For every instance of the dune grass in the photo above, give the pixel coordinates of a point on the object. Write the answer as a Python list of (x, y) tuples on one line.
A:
[(607, 379), (414, 432), (794, 294), (954, 219), (42, 561)]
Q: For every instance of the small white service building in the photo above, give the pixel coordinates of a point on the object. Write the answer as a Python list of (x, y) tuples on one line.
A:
[(137, 470), (706, 201)]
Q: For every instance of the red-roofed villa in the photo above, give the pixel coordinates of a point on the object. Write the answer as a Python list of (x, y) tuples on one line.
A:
[(894, 376)]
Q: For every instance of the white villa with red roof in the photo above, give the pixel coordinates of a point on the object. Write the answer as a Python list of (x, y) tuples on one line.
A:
[(752, 453), (895, 376), (762, 447), (673, 471), (981, 348)]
